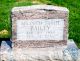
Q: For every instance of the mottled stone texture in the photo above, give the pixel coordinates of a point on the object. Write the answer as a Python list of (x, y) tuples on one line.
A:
[(39, 12)]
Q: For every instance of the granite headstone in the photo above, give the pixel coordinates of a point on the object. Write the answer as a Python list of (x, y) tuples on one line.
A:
[(39, 26)]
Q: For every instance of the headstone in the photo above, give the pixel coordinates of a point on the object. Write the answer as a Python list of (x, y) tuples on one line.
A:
[(40, 26)]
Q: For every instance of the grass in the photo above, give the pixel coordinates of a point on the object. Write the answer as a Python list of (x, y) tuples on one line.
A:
[(74, 16), (5, 12)]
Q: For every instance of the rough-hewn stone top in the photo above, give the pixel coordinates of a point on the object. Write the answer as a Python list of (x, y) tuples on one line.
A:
[(48, 7)]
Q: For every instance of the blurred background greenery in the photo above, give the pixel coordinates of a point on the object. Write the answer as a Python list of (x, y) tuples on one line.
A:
[(74, 15)]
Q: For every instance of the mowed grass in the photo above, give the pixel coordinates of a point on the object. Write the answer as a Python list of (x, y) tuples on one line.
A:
[(74, 14)]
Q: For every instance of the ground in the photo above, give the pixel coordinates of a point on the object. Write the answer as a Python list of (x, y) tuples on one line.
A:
[(74, 16)]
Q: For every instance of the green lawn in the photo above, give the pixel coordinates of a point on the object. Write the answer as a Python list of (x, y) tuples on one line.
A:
[(73, 6)]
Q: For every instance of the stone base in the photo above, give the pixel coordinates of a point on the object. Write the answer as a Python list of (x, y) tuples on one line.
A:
[(35, 54), (41, 54)]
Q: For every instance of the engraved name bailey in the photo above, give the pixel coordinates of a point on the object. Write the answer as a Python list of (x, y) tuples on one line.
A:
[(40, 29)]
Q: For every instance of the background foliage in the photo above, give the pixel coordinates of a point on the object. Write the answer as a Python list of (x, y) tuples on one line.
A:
[(74, 16)]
